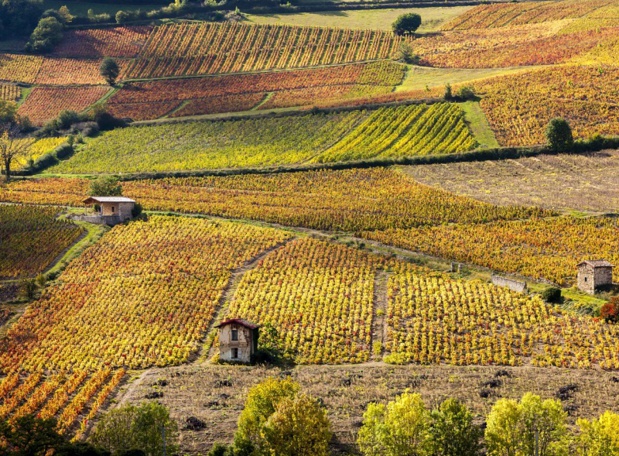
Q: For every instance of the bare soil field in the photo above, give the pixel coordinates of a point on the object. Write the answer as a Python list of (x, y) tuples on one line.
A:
[(215, 394), (563, 182)]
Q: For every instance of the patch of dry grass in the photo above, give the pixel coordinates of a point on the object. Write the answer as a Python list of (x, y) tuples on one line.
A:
[(216, 394)]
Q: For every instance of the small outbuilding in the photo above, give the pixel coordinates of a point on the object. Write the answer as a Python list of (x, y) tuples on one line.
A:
[(238, 340), (594, 274), (112, 209)]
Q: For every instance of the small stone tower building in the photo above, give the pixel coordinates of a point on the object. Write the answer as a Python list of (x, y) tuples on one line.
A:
[(238, 340), (594, 274)]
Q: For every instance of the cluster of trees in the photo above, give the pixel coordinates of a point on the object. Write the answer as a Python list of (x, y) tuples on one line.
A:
[(19, 17), (528, 427), (278, 419)]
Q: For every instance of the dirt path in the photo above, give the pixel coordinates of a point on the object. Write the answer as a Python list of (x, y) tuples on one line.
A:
[(208, 350), (379, 322)]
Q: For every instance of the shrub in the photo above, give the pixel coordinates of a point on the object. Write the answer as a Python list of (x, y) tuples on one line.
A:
[(107, 121), (406, 24), (407, 55), (106, 186), (130, 427), (448, 93), (552, 295), (453, 432), (599, 437), (122, 17), (466, 93), (610, 310), (45, 36), (109, 68), (66, 119), (400, 428), (559, 135), (137, 210), (531, 426)]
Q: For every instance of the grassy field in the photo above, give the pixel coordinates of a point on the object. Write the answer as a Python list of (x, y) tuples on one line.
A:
[(419, 78), (380, 19), (564, 182), (346, 391)]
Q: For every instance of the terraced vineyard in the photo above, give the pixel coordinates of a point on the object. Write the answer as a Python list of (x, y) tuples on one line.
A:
[(547, 249), (9, 92), (403, 132), (19, 68), (186, 49), (150, 100), (350, 200), (350, 135), (435, 319), (31, 239), (319, 298), (45, 103), (584, 95), (505, 14)]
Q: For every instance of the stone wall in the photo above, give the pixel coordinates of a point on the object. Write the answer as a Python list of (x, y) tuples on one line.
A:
[(514, 285)]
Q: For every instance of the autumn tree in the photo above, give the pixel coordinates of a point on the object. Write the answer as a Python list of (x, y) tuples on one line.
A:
[(599, 437), (531, 426), (610, 310), (299, 427), (13, 145), (279, 420), (399, 429), (147, 427)]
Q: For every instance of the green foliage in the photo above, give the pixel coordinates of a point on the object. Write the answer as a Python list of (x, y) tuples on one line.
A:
[(299, 427), (106, 186), (406, 24), (466, 93), (8, 111), (28, 289), (552, 295), (46, 35), (261, 403), (452, 431), (531, 426), (599, 437), (406, 53), (399, 429), (448, 93), (137, 428), (109, 69), (559, 135), (19, 17)]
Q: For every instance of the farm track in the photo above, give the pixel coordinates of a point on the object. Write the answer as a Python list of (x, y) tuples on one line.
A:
[(379, 322), (207, 350)]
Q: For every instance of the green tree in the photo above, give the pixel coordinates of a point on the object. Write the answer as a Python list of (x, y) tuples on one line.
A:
[(406, 53), (46, 35), (559, 135), (531, 426), (260, 404), (109, 70), (452, 430), (106, 186), (8, 111), (19, 17), (399, 429), (146, 427), (599, 437), (406, 24), (299, 427)]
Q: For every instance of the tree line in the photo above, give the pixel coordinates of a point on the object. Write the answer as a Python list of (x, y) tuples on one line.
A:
[(280, 420)]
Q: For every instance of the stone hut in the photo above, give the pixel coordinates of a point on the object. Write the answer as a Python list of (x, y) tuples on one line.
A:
[(238, 340), (594, 274), (112, 209)]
